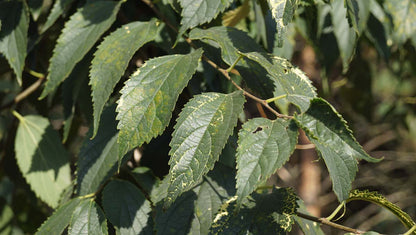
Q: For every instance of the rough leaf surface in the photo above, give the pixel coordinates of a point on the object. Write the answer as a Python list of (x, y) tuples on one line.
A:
[(196, 12), (335, 143), (263, 147), (80, 33), (126, 208), (288, 80), (111, 60), (149, 97), (42, 158), (88, 218), (13, 35), (201, 132), (282, 12)]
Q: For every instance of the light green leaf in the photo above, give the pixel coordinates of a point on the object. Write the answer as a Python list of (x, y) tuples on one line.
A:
[(149, 97), (6, 217), (42, 158), (127, 208), (403, 13), (290, 82), (282, 12), (259, 214), (345, 36), (201, 132), (196, 12), (88, 218), (59, 220), (335, 143), (263, 147), (97, 160), (111, 60), (13, 35), (59, 7), (358, 13), (80, 33)]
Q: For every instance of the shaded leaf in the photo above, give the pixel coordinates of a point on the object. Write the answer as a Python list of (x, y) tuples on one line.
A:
[(307, 226), (353, 13), (80, 33), (403, 13), (263, 147), (145, 179), (127, 208), (97, 160), (201, 132), (42, 158), (88, 218), (377, 35), (13, 35), (58, 8), (335, 143), (59, 220), (111, 60), (149, 97), (233, 17), (196, 12), (6, 217), (282, 12), (289, 81), (259, 214)]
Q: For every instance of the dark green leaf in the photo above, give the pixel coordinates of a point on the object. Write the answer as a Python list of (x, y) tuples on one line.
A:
[(403, 13), (111, 60), (335, 143), (259, 214), (13, 35), (60, 219), (307, 226), (196, 12), (263, 147), (42, 158), (145, 179), (282, 12), (353, 13), (127, 208), (88, 218), (290, 82), (78, 36), (148, 98), (59, 7), (201, 132), (98, 157)]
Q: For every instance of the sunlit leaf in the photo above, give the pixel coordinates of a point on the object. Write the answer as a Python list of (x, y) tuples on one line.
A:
[(58, 8), (282, 12), (233, 17), (88, 218)]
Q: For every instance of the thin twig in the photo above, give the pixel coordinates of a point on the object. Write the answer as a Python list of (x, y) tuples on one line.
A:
[(22, 95), (305, 146), (329, 223)]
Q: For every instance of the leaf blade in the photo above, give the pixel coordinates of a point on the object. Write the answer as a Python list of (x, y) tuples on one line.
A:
[(282, 12), (88, 218)]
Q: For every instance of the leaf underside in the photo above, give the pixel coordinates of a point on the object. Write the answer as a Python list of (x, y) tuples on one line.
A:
[(201, 132)]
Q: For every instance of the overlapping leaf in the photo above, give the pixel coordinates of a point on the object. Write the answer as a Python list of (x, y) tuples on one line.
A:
[(201, 132), (263, 147), (98, 157), (358, 13), (196, 12), (58, 8), (112, 58), (233, 17), (42, 158), (88, 218), (126, 208), (335, 143), (289, 81), (13, 35), (60, 219), (259, 214), (149, 97), (78, 36), (403, 13), (282, 12)]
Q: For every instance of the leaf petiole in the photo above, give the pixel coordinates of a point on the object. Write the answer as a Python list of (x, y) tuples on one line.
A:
[(276, 98), (235, 63)]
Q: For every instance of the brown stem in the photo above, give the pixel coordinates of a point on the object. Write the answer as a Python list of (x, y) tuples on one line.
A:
[(22, 95), (329, 223)]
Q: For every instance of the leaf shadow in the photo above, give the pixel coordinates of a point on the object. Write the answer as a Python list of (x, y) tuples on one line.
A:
[(10, 9)]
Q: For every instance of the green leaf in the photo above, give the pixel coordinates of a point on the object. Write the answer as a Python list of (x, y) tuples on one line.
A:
[(196, 12), (149, 97), (60, 219), (42, 158), (88, 218), (233, 17), (263, 147), (145, 178), (111, 60), (127, 208), (13, 35), (307, 226), (59, 7), (201, 132), (358, 13), (259, 214), (345, 36), (97, 160), (282, 12), (289, 81), (6, 217), (80, 33), (335, 143), (403, 13)]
